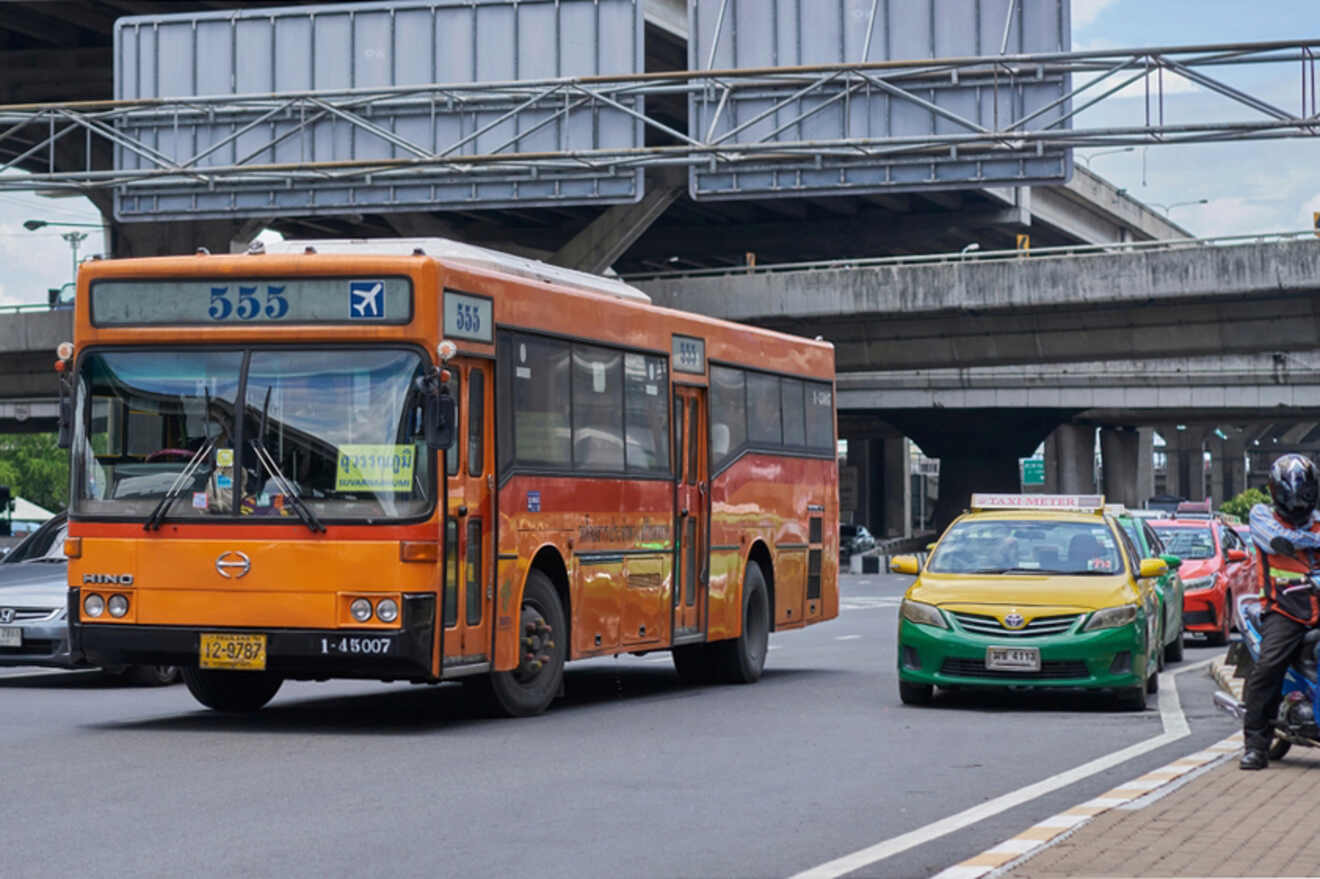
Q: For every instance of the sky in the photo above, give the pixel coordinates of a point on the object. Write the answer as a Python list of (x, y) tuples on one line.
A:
[(1248, 188)]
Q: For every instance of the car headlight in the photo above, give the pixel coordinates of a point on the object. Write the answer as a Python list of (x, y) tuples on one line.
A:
[(1111, 617), (923, 614), (360, 609), (1199, 582), (387, 610), (93, 605)]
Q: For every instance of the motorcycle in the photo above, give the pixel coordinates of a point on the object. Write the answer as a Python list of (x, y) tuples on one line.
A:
[(1295, 723)]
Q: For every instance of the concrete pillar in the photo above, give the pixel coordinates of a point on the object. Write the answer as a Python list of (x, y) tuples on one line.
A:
[(1186, 456), (898, 488), (1228, 473), (1070, 460), (609, 236), (1127, 465)]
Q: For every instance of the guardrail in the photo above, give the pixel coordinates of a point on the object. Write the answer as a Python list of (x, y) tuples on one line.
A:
[(1056, 252), (876, 559), (32, 307)]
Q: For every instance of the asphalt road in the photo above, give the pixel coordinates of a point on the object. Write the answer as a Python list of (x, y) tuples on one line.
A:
[(630, 775)]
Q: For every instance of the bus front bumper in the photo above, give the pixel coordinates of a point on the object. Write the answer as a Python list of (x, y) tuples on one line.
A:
[(374, 654)]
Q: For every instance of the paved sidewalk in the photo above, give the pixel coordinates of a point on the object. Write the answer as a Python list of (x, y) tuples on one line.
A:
[(1200, 816)]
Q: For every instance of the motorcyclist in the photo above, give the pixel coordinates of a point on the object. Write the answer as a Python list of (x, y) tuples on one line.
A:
[(1294, 487)]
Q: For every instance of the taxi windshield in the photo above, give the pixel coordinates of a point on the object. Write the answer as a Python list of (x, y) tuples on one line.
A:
[(1187, 541), (1010, 546)]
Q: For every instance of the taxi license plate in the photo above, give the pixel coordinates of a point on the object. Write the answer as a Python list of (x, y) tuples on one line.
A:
[(11, 637), (225, 651), (1013, 658)]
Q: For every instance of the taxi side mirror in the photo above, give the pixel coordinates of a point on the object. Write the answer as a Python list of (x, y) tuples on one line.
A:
[(1237, 555), (905, 564), (1173, 561), (930, 547), (1153, 568)]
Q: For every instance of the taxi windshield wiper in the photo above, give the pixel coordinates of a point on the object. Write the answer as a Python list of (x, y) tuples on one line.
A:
[(273, 470), (1009, 571)]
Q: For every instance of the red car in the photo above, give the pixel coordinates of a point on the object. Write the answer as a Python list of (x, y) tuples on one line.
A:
[(1217, 567), (1244, 531)]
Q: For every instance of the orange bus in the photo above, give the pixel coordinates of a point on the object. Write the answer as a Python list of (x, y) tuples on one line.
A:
[(419, 460)]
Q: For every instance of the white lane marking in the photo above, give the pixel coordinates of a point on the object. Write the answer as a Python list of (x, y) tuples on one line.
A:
[(846, 637), (1174, 728), (862, 602)]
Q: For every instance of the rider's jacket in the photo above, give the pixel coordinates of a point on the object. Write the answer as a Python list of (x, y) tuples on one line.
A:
[(1278, 572)]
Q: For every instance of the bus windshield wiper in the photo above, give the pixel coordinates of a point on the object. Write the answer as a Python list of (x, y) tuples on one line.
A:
[(273, 470), (184, 478)]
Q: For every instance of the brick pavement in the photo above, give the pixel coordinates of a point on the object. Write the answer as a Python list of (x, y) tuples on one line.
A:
[(1206, 818)]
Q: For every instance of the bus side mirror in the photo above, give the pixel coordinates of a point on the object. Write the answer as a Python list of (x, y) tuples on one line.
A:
[(65, 439), (441, 416)]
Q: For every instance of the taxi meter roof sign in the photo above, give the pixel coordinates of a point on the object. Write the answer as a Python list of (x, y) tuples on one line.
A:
[(1073, 503)]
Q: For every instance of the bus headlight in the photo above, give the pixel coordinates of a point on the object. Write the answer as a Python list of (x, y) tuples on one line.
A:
[(360, 609), (117, 605), (93, 605), (387, 610)]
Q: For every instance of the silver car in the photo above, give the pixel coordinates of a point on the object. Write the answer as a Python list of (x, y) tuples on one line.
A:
[(34, 611)]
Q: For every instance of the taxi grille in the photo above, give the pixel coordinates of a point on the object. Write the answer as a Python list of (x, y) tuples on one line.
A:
[(975, 668), (987, 625), (29, 614)]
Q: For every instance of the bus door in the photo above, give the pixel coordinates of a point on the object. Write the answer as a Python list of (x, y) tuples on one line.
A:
[(470, 468), (692, 515)]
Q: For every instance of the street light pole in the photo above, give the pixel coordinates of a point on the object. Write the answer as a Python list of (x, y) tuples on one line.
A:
[(74, 238)]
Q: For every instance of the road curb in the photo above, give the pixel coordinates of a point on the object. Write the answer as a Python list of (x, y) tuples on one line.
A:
[(1014, 851)]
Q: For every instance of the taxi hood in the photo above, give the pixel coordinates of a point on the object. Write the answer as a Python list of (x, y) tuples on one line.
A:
[(1083, 592)]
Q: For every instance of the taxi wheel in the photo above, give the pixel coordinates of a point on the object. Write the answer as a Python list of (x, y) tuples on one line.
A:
[(235, 692), (152, 675), (1173, 651), (1153, 682), (1220, 638), (915, 694), (1133, 698)]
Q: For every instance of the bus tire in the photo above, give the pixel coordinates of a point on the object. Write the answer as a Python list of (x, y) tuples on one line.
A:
[(533, 685), (234, 692), (694, 664), (740, 660)]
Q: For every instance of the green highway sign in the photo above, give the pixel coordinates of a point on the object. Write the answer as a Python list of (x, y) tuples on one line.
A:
[(1033, 471)]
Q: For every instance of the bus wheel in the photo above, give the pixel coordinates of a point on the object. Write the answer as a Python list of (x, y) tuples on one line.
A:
[(694, 663), (542, 649), (740, 661), (237, 692)]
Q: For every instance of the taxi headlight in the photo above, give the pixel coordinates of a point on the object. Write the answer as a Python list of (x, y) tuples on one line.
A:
[(387, 610), (360, 609), (117, 605), (1199, 583), (923, 614), (1111, 617), (93, 605)]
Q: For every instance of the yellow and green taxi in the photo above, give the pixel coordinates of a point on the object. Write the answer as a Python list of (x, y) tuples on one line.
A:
[(1034, 591)]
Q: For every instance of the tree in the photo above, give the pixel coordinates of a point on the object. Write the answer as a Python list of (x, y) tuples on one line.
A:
[(35, 469), (1241, 505)]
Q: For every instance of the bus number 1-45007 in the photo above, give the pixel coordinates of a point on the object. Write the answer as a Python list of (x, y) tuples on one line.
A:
[(365, 646)]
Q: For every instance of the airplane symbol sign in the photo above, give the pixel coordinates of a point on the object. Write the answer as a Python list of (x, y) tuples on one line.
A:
[(365, 300)]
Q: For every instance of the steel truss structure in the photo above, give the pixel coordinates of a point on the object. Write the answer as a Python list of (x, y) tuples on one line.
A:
[(127, 146)]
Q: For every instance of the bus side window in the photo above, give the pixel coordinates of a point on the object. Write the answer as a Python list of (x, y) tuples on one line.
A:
[(678, 439), (451, 453), (476, 422), (451, 572)]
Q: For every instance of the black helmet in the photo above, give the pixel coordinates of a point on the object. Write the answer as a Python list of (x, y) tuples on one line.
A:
[(1294, 488)]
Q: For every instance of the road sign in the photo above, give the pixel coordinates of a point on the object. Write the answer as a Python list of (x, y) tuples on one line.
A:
[(1023, 242), (1033, 471), (1315, 222)]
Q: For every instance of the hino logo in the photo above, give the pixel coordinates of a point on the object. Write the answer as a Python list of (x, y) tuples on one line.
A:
[(108, 579)]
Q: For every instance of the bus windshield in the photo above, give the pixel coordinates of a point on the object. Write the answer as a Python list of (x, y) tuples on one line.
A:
[(340, 429)]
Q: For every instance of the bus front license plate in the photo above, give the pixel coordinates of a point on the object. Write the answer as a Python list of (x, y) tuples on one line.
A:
[(1013, 658), (224, 651), (11, 637)]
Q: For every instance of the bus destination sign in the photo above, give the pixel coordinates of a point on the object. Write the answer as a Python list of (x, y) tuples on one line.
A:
[(251, 301)]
